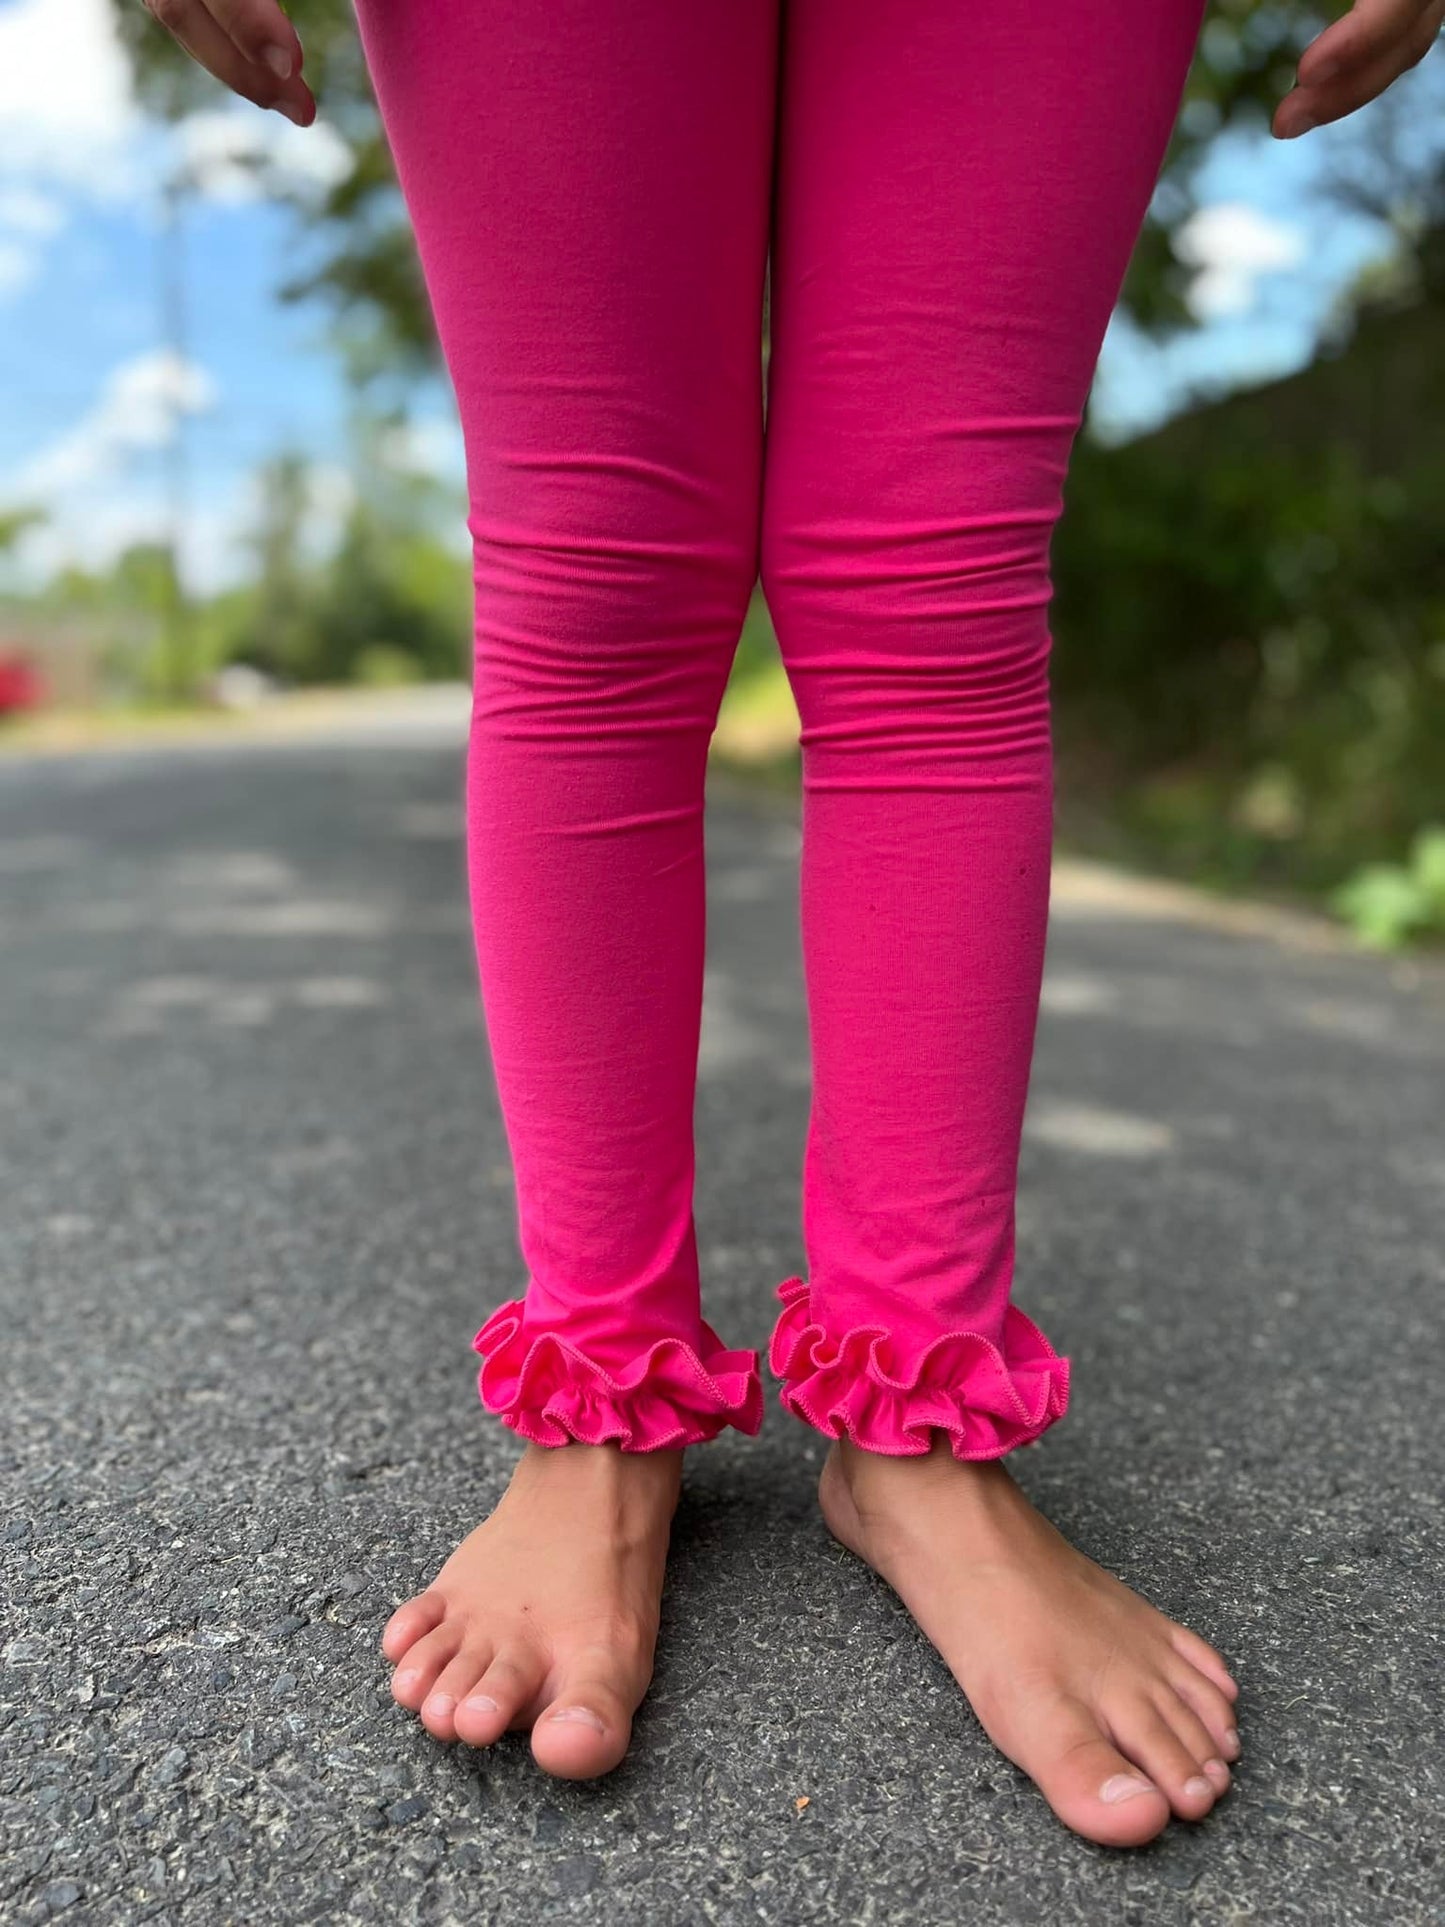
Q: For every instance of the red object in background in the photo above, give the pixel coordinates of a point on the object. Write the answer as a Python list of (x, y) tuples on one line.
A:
[(20, 684)]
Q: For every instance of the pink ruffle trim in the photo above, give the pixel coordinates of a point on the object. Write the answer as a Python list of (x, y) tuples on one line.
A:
[(988, 1399), (550, 1392)]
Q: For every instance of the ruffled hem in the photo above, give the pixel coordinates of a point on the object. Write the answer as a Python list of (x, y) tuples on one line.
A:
[(987, 1398), (549, 1391)]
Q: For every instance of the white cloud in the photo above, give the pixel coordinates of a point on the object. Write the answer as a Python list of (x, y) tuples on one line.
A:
[(138, 409), (75, 133), (70, 119), (92, 528), (76, 139), (431, 447), (27, 211), (66, 100), (17, 266), (1230, 245), (93, 520), (28, 218), (232, 153)]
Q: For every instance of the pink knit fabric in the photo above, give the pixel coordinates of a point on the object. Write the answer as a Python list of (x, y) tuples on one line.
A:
[(951, 190)]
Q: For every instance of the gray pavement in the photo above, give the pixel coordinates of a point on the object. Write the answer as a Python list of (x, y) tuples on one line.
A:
[(256, 1203)]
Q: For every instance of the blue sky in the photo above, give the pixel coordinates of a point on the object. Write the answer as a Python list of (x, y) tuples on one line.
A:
[(93, 397)]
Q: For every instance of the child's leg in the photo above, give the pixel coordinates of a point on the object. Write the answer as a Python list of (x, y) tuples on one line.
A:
[(960, 188), (589, 183), (589, 189)]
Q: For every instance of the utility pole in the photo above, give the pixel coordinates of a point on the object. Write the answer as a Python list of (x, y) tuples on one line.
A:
[(176, 616)]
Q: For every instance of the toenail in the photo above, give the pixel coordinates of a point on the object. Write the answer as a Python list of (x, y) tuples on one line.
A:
[(439, 1705), (580, 1715), (1123, 1786), (481, 1703), (1232, 1738), (1198, 1788), (1216, 1767), (408, 1678)]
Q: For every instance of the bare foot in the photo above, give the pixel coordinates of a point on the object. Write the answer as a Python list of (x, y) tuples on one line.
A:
[(546, 1616), (1119, 1715)]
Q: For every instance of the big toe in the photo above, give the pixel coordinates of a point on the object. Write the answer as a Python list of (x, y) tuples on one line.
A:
[(1091, 1786), (585, 1729)]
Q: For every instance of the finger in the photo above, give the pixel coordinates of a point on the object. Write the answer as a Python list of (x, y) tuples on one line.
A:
[(207, 42), (1370, 31), (1355, 60), (262, 32)]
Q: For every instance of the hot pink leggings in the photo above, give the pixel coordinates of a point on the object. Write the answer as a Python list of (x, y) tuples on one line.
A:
[(949, 191)]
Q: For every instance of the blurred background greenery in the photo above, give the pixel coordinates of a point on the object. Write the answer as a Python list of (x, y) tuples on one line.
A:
[(1249, 606)]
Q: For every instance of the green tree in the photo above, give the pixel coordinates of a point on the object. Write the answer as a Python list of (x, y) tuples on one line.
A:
[(391, 599), (280, 607), (14, 523)]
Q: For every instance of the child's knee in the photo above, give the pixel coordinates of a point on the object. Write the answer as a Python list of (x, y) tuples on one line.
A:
[(604, 616), (924, 647)]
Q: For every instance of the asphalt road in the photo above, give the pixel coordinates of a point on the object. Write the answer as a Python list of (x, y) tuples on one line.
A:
[(256, 1203)]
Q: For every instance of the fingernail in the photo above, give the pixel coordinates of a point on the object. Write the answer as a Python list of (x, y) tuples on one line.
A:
[(580, 1715), (1123, 1786), (1198, 1788), (481, 1703), (279, 60)]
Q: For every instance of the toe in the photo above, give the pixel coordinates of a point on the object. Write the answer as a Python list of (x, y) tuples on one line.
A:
[(500, 1697), (1090, 1785), (585, 1727), (1194, 1736), (411, 1622), (453, 1683), (414, 1678), (1202, 1655), (583, 1733), (1148, 1738), (1212, 1707)]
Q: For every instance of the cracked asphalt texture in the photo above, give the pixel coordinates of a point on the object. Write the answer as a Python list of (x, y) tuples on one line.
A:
[(257, 1202)]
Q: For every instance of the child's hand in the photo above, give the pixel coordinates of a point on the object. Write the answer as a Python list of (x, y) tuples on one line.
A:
[(1355, 59), (248, 44)]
